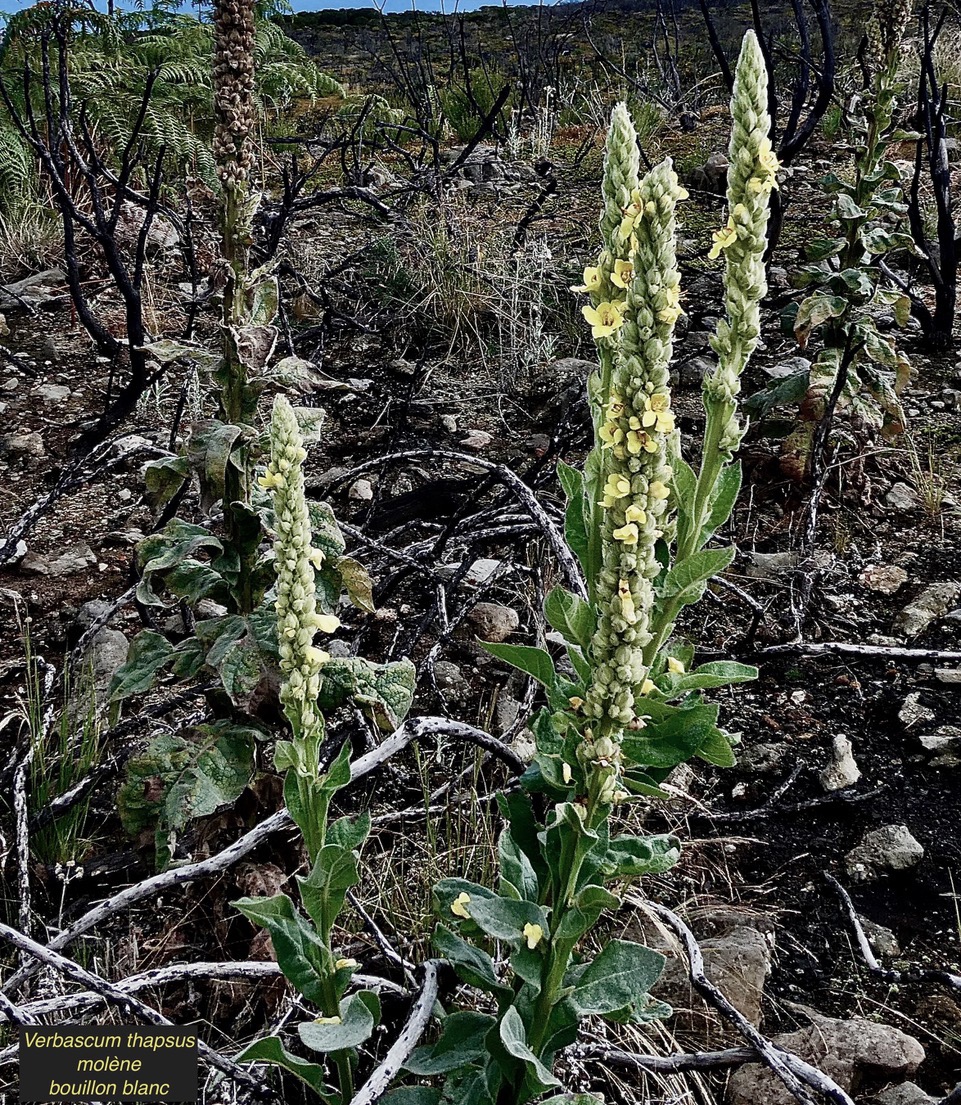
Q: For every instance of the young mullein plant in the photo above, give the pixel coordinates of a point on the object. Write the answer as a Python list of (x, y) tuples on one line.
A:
[(303, 943), (639, 519), (856, 366)]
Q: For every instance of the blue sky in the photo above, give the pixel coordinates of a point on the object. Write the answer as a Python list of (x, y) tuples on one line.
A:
[(7, 6)]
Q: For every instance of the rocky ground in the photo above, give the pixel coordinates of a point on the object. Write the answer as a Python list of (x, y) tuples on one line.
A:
[(849, 761)]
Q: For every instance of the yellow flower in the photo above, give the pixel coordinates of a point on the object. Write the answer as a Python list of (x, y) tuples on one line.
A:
[(327, 1020), (647, 686), (576, 703), (317, 655), (635, 514), (316, 558), (617, 487), (344, 964), (271, 479), (605, 319), (611, 434), (675, 666), (459, 906), (623, 273), (631, 213), (658, 490), (723, 238), (566, 773), (638, 440), (533, 934), (326, 623), (628, 534), (765, 177), (592, 280), (628, 611)]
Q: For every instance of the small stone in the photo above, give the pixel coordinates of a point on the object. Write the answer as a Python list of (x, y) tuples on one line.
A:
[(569, 369), (842, 771), (74, 559), (777, 277), (948, 675), (11, 384), (912, 711), (932, 604), (908, 1093), (476, 439), (53, 393), (883, 578), (523, 745), (22, 445), (361, 491), (946, 743), (449, 676), (771, 565), (693, 371), (890, 848), (449, 422), (493, 622), (845, 1050), (402, 367), (881, 939), (902, 497)]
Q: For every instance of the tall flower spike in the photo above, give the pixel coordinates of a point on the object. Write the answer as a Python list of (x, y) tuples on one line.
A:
[(234, 33), (635, 470), (751, 177), (297, 617)]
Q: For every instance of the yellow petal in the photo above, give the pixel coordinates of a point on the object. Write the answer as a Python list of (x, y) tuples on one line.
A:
[(459, 906), (674, 665), (533, 934)]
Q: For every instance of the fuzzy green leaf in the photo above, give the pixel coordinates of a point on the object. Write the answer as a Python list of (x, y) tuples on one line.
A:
[(384, 691), (618, 978), (271, 1050), (514, 1038), (571, 616), (356, 1025), (536, 662), (300, 952), (473, 965), (149, 654)]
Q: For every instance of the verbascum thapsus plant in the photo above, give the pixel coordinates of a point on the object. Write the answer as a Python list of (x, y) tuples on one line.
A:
[(628, 710), (298, 623), (235, 117)]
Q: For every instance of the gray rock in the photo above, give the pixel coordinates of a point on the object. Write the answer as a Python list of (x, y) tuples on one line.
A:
[(340, 650), (902, 497), (523, 745), (931, 605), (106, 652), (883, 578), (845, 1050), (842, 771), (765, 758), (694, 370), (777, 277), (52, 393), (93, 611), (74, 559), (493, 622), (506, 712), (946, 744), (948, 675), (22, 445), (712, 175), (881, 939), (771, 565), (908, 1093), (476, 439), (738, 962), (890, 848), (401, 367), (912, 711), (449, 677), (361, 491)]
